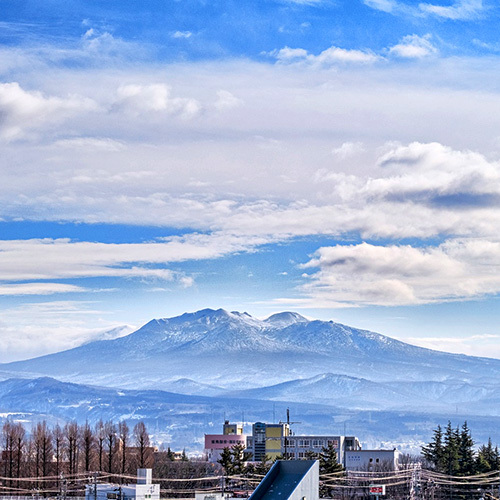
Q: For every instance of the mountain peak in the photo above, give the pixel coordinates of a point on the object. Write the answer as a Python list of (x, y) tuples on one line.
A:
[(286, 318)]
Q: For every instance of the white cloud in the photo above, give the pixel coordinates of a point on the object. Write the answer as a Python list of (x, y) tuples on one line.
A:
[(383, 5), (472, 345), (90, 143), (21, 110), (401, 275), (142, 99), (347, 149), (328, 57), (226, 100), (460, 10), (43, 259), (414, 47), (38, 289), (182, 34), (45, 327)]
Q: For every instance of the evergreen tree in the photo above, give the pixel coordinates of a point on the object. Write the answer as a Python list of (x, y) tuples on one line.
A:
[(170, 454), (226, 460), (311, 455), (328, 463), (263, 466), (487, 458), (434, 452), (451, 457), (239, 458), (466, 451)]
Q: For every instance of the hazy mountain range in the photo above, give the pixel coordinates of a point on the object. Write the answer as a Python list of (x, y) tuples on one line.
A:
[(187, 373)]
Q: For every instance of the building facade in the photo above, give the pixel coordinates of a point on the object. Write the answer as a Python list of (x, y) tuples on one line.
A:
[(372, 460), (272, 440), (232, 434)]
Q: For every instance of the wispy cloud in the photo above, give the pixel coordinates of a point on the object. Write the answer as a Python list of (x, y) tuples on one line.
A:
[(22, 260), (182, 34), (330, 56), (472, 345), (44, 327), (38, 289), (460, 10)]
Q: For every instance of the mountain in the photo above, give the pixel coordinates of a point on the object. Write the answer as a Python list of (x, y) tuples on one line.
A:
[(361, 394), (184, 375), (235, 350)]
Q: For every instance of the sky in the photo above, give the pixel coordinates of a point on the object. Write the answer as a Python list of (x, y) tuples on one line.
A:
[(338, 158)]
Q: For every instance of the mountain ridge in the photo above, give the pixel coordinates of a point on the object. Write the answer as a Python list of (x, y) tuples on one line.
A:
[(221, 348)]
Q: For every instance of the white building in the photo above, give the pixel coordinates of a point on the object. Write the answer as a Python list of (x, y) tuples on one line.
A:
[(143, 490), (372, 460)]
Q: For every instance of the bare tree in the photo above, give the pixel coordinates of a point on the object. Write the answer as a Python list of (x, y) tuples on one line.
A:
[(19, 435), (124, 439), (8, 448), (110, 437), (58, 441), (71, 431), (141, 438), (42, 438), (100, 437), (88, 441)]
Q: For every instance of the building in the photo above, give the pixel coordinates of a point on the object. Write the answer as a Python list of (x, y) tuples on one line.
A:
[(267, 440), (232, 434), (143, 490), (372, 460), (276, 440)]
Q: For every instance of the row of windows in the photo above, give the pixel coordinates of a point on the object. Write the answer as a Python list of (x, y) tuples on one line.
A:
[(226, 441), (315, 443)]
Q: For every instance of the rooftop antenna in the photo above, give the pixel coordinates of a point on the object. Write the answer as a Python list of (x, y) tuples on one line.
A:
[(288, 423)]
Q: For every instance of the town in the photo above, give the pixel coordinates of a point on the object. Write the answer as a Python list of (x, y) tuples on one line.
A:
[(110, 462)]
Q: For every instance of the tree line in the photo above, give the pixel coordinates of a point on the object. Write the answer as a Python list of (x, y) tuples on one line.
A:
[(73, 448), (452, 451)]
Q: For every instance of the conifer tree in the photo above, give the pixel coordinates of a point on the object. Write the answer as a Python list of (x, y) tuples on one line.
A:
[(226, 460), (451, 458), (434, 452), (328, 463), (466, 451)]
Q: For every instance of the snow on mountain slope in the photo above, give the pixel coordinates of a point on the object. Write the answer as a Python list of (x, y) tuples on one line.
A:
[(232, 349)]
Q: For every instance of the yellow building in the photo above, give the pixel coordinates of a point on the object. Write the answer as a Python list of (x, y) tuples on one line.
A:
[(268, 440)]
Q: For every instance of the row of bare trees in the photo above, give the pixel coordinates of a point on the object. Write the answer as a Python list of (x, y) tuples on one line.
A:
[(73, 449)]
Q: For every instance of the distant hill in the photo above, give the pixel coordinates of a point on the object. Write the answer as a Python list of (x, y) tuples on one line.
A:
[(181, 420)]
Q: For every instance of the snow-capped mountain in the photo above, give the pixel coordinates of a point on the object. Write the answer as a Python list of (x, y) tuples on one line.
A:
[(232, 349), (217, 364)]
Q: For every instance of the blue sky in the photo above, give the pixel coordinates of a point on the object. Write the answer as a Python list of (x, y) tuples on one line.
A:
[(338, 158)]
